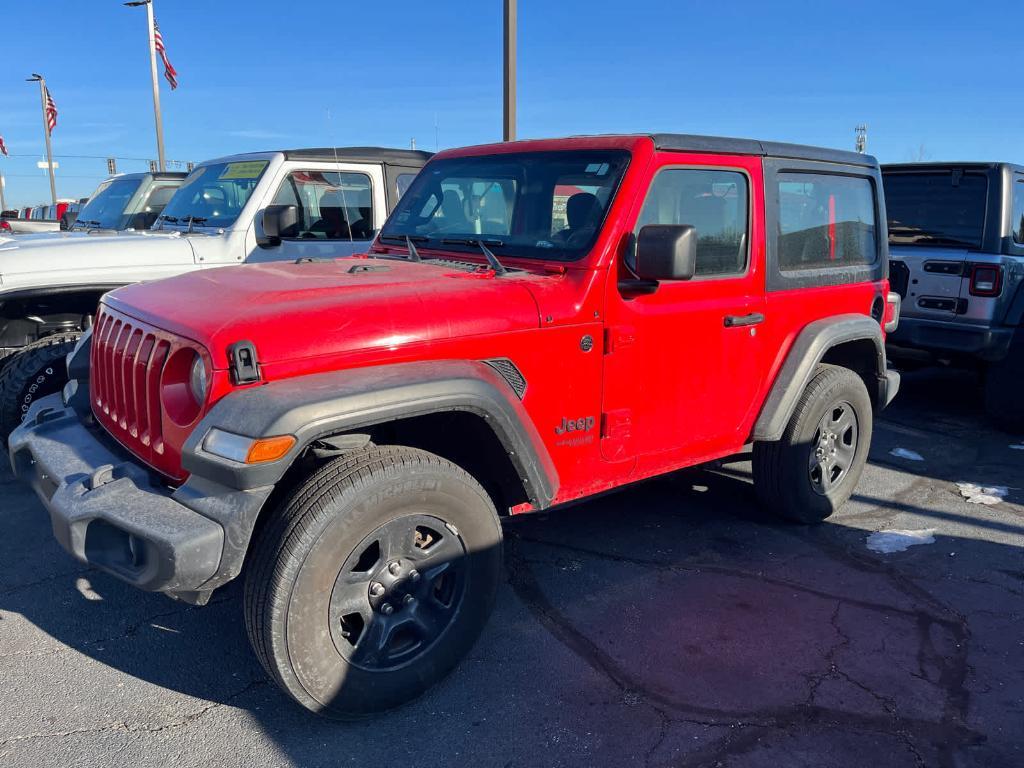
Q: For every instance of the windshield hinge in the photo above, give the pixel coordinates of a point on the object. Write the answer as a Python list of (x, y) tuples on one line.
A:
[(245, 368)]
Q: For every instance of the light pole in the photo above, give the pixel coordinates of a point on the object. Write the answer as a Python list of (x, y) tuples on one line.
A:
[(36, 78), (156, 83), (3, 200), (509, 112)]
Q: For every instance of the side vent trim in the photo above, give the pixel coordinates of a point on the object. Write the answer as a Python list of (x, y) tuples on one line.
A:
[(508, 371)]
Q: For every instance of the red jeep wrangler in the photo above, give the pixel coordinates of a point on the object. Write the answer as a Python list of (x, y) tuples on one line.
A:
[(537, 322)]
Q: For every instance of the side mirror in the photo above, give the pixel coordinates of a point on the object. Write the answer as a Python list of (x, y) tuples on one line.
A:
[(666, 252), (278, 221)]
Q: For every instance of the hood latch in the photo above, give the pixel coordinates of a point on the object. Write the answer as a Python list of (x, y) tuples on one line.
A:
[(245, 368)]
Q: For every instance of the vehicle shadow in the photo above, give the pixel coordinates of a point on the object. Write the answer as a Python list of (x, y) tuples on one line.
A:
[(672, 622)]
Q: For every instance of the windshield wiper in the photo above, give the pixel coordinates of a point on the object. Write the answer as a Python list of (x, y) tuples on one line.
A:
[(414, 254), (87, 223), (194, 220), (482, 245), (402, 238)]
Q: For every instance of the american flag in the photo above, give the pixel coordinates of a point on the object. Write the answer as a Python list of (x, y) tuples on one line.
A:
[(51, 112), (169, 71), (3, 147)]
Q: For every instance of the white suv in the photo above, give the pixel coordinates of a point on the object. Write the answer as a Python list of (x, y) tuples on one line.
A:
[(316, 203)]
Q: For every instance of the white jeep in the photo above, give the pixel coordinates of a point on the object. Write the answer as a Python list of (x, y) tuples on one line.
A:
[(265, 206)]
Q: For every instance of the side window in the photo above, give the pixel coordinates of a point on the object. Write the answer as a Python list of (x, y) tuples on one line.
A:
[(158, 197), (402, 183), (825, 221), (332, 205), (1018, 211), (715, 203)]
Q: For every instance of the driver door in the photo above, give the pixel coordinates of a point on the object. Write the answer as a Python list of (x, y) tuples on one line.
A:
[(683, 363), (338, 214)]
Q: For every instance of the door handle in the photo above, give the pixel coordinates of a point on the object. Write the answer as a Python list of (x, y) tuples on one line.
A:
[(736, 321)]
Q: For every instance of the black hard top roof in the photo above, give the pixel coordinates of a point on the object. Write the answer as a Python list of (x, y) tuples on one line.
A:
[(936, 165), (684, 142), (158, 175), (413, 157)]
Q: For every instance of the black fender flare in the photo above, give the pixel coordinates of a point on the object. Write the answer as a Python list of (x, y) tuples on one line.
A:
[(808, 350), (318, 405)]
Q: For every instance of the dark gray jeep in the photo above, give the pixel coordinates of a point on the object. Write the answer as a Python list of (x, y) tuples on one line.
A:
[(956, 242)]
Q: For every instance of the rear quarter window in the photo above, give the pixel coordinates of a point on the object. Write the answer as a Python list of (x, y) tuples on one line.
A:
[(825, 221)]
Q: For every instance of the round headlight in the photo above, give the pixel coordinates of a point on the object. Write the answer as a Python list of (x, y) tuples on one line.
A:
[(197, 381)]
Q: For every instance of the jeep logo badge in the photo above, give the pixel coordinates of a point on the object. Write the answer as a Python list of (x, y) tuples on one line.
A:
[(584, 424)]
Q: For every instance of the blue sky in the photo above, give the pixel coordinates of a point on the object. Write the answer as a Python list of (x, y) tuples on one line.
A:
[(929, 78)]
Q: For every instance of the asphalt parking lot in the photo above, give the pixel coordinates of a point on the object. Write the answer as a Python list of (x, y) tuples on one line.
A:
[(670, 624)]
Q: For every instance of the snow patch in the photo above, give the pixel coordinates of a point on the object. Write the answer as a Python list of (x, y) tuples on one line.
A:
[(904, 453), (85, 589), (887, 542), (982, 494), (1017, 447)]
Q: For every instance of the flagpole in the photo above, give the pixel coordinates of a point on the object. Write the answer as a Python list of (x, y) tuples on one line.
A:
[(46, 133), (156, 91)]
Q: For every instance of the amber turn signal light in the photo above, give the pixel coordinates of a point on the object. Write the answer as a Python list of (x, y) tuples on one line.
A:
[(247, 450), (269, 449)]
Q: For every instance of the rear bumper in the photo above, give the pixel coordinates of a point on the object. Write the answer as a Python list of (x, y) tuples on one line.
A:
[(951, 337), (111, 512)]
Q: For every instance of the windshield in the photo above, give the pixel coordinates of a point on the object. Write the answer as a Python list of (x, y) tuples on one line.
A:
[(542, 205), (936, 207), (214, 195), (106, 208)]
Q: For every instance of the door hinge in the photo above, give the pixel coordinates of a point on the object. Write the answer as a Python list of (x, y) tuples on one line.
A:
[(618, 338), (617, 423)]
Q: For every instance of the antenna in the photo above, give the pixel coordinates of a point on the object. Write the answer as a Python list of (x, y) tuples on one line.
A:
[(860, 142), (341, 181)]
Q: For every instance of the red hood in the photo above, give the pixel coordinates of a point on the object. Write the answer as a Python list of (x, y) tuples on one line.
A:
[(293, 311)]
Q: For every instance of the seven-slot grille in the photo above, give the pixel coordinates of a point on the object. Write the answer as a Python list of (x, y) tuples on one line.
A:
[(127, 360)]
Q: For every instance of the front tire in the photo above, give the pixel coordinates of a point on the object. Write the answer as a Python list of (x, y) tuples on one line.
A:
[(812, 470), (33, 372), (373, 580)]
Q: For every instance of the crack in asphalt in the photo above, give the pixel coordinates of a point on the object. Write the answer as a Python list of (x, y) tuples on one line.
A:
[(948, 734), (124, 726), (46, 579), (129, 631)]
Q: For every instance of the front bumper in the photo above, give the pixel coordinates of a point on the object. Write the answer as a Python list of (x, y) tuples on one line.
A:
[(111, 512), (951, 337)]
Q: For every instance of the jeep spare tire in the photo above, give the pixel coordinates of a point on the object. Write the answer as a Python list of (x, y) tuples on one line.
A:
[(372, 580), (32, 372)]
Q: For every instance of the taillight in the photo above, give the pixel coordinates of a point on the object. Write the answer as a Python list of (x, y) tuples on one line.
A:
[(4, 226), (892, 312), (986, 280)]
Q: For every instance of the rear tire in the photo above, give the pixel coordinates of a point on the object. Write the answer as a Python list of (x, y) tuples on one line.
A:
[(812, 470), (1002, 389), (372, 580), (35, 371)]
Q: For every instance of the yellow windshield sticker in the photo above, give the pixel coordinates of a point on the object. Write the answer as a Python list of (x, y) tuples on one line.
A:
[(248, 170)]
